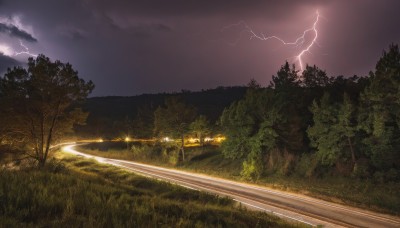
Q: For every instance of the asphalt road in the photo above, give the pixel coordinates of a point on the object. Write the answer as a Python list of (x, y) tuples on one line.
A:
[(283, 204)]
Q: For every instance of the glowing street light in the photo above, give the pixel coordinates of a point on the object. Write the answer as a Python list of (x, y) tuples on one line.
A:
[(127, 139)]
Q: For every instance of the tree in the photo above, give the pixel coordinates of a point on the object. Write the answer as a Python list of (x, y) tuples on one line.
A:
[(39, 103), (380, 111), (334, 129), (347, 125), (322, 133), (286, 78), (174, 120), (314, 77), (290, 109), (201, 127), (123, 127), (143, 123), (240, 122), (250, 127)]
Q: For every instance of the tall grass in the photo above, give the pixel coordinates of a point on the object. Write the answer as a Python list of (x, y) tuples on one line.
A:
[(82, 193), (364, 193)]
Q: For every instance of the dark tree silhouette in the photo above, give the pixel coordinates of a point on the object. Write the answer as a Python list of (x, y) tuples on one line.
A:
[(38, 104)]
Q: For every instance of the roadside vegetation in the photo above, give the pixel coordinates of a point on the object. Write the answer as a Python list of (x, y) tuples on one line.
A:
[(305, 124), (336, 138), (75, 192), (365, 193)]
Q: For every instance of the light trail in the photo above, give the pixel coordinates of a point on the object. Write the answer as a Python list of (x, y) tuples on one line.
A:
[(298, 42), (288, 205)]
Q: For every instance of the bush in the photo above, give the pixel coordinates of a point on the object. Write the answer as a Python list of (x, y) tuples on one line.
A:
[(360, 169), (306, 165), (379, 177), (392, 175)]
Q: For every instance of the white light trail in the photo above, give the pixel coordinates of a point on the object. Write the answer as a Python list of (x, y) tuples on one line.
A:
[(298, 42)]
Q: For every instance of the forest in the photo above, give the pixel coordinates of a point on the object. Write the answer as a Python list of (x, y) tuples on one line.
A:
[(307, 124)]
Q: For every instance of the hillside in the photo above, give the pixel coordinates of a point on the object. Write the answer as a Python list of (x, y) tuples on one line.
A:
[(108, 116)]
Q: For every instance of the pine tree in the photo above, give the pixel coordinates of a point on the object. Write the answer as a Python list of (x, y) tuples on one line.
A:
[(380, 111)]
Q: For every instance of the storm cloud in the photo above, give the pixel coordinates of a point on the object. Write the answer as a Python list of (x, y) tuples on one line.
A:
[(14, 31), (132, 47), (7, 62)]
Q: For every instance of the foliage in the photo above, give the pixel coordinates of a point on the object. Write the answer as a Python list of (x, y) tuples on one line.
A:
[(351, 125), (265, 119), (143, 123), (380, 116), (314, 77), (286, 78), (38, 104), (201, 127), (87, 194), (378, 193), (106, 111), (174, 120), (333, 130)]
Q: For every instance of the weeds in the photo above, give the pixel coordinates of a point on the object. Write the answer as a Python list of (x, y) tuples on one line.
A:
[(83, 193), (365, 193)]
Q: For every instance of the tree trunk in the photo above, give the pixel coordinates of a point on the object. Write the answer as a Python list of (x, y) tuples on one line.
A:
[(182, 148), (41, 144), (42, 162), (201, 142), (50, 133), (353, 157)]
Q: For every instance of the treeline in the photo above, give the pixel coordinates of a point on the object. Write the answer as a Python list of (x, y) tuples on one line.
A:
[(118, 117), (303, 123), (316, 125)]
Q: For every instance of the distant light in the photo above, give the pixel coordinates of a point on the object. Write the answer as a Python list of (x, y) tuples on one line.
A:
[(100, 140), (220, 139), (127, 139), (166, 139), (193, 140), (208, 139)]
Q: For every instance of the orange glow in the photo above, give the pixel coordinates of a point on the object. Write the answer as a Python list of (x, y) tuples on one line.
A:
[(194, 140), (220, 138)]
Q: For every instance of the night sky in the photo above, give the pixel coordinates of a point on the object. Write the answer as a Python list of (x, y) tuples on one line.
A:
[(133, 47)]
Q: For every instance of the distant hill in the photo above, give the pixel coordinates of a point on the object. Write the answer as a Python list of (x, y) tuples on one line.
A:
[(106, 114)]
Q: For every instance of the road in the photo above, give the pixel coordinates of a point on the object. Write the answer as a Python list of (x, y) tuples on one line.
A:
[(283, 204)]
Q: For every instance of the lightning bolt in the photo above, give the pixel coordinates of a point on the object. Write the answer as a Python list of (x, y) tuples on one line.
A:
[(298, 42), (26, 52)]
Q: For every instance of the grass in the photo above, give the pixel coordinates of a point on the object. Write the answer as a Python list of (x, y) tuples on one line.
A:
[(367, 193), (74, 192)]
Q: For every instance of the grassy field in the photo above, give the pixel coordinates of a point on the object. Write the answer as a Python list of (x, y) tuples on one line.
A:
[(76, 192), (368, 194)]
